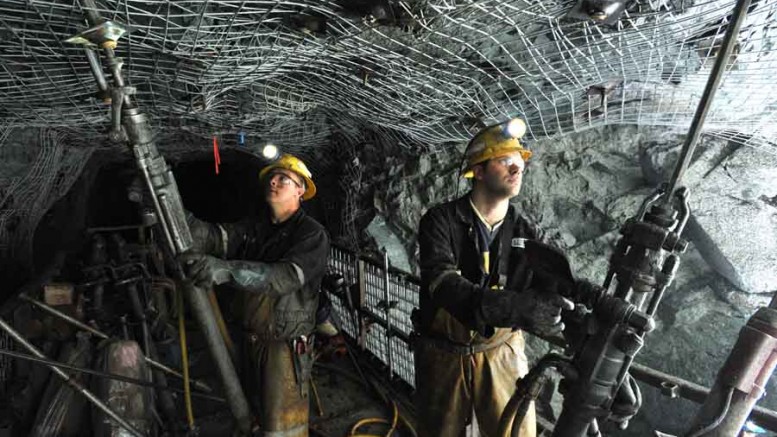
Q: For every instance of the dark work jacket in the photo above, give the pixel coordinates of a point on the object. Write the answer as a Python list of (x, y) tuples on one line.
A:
[(452, 273), (282, 311)]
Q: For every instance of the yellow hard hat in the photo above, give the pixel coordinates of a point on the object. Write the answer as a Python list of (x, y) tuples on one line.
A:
[(494, 142), (292, 163)]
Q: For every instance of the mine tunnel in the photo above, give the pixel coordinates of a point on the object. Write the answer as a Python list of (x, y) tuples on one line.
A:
[(381, 217)]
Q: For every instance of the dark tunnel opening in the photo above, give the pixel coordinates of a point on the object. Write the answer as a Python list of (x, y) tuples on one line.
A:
[(99, 198)]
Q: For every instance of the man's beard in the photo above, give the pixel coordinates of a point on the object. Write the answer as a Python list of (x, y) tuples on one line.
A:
[(502, 188)]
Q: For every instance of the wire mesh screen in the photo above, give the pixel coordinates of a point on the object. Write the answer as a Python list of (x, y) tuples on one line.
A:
[(384, 317), (285, 69), (37, 167)]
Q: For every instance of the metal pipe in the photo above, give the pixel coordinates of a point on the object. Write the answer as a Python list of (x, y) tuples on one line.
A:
[(694, 392), (34, 359), (691, 140), (214, 303), (140, 313), (77, 323), (71, 382), (198, 302), (97, 71)]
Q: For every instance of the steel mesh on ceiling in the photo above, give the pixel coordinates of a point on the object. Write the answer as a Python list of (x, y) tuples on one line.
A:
[(283, 70), (316, 75)]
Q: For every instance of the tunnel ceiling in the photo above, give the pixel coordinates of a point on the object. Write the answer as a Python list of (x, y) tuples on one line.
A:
[(315, 75), (296, 71)]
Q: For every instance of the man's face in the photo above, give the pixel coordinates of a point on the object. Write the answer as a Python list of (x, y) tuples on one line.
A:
[(502, 176), (283, 187)]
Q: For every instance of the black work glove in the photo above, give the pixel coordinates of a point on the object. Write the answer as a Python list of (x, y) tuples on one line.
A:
[(205, 270), (550, 269), (535, 311)]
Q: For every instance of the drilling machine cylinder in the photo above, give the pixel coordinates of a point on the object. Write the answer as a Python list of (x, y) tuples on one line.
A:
[(619, 315), (742, 379), (130, 125)]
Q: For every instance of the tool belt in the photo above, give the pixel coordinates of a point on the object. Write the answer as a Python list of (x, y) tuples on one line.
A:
[(455, 348), (302, 357)]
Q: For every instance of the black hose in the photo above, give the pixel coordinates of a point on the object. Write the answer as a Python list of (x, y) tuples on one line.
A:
[(718, 420), (523, 408)]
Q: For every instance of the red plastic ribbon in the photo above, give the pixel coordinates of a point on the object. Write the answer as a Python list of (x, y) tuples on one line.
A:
[(216, 156)]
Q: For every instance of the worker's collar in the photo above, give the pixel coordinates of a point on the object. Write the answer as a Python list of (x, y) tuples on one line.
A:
[(295, 217), (465, 211), (490, 228)]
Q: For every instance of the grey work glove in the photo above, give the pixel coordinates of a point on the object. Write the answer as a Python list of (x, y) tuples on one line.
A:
[(535, 311), (205, 270), (206, 237)]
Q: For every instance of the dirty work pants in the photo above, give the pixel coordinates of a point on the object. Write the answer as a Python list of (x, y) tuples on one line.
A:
[(449, 387), (281, 401)]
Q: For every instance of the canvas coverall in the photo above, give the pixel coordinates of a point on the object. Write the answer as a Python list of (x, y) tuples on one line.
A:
[(462, 366), (285, 263)]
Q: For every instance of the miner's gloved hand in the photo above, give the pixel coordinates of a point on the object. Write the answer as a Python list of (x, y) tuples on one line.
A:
[(205, 270), (536, 311), (206, 238), (542, 312)]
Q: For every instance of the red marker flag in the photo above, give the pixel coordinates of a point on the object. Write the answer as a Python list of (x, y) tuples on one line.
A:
[(216, 156)]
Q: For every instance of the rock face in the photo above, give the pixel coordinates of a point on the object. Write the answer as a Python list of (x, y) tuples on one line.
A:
[(734, 205), (580, 189)]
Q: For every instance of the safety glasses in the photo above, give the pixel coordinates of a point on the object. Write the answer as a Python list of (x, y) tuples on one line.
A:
[(282, 179), (509, 161)]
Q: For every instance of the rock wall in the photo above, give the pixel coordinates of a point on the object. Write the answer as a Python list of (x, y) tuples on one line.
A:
[(580, 189)]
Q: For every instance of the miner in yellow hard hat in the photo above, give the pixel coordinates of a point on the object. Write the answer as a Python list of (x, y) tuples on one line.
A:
[(495, 142), (276, 265), (475, 294)]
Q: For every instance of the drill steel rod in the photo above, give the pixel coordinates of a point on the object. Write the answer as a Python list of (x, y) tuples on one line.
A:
[(97, 72), (691, 140), (34, 359), (78, 324), (71, 382)]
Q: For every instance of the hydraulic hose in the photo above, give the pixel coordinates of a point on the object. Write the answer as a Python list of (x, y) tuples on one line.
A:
[(718, 420), (527, 389), (185, 360)]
